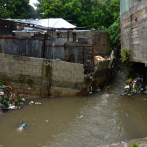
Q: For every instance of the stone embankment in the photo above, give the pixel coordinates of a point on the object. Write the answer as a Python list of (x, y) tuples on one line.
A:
[(142, 142)]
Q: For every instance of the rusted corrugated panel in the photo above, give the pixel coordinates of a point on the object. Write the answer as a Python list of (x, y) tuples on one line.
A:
[(33, 48), (22, 47), (10, 46)]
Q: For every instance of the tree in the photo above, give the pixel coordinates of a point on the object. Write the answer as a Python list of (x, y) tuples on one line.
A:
[(90, 13), (50, 8), (3, 12), (17, 9)]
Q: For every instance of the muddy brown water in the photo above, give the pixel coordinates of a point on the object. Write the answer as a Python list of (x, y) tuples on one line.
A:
[(99, 119)]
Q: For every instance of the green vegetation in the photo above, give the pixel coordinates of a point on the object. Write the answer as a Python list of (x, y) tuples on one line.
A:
[(92, 14), (1, 83), (135, 144), (89, 13), (17, 9), (19, 98), (114, 32), (125, 55), (3, 12)]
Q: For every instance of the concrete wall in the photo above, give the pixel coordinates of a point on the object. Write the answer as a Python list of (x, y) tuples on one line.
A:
[(24, 74), (125, 5), (101, 42), (101, 73), (37, 76), (66, 78), (134, 33)]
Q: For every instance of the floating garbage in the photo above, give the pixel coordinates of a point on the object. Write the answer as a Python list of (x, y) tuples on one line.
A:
[(12, 107), (23, 99), (47, 120), (37, 103), (80, 116), (30, 103), (21, 103), (22, 127)]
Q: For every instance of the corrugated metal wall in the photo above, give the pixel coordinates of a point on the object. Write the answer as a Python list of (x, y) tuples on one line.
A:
[(33, 48)]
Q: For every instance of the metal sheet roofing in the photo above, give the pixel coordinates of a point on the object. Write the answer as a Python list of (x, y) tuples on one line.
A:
[(56, 23)]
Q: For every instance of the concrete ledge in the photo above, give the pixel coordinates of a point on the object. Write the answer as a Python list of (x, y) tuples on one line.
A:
[(142, 142)]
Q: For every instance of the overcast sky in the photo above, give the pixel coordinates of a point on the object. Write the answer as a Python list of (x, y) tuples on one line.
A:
[(33, 1)]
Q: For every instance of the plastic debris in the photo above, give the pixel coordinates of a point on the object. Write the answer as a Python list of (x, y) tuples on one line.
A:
[(80, 116), (135, 86), (23, 99), (37, 103), (1, 93), (21, 103), (90, 91), (130, 79), (12, 107), (47, 120), (30, 103), (22, 126)]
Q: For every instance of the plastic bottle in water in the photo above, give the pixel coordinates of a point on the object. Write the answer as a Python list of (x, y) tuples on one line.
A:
[(22, 126)]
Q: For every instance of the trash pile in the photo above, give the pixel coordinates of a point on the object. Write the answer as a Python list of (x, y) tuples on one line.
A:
[(137, 82), (9, 100), (134, 86), (97, 59)]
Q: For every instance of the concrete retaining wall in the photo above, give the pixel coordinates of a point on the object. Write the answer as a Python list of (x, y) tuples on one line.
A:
[(134, 33), (37, 76), (66, 78), (101, 73), (24, 74)]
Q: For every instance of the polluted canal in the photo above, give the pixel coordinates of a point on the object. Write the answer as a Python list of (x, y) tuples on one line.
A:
[(102, 118)]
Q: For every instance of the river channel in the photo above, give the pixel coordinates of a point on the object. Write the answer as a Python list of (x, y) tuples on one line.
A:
[(99, 119)]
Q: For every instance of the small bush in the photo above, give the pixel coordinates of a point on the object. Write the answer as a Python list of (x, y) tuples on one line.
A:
[(135, 144), (125, 55)]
